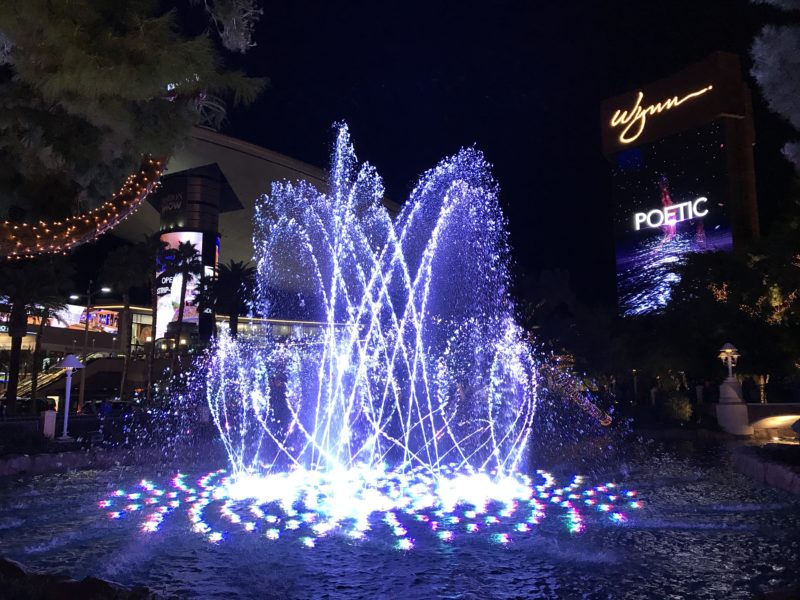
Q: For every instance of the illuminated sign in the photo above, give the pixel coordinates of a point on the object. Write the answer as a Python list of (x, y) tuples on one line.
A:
[(671, 199), (73, 316), (670, 215), (172, 203), (633, 121), (168, 287)]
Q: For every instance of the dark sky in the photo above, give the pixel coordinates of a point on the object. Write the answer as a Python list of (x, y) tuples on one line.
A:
[(523, 80)]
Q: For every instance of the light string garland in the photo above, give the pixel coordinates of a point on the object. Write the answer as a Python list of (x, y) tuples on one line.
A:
[(568, 386), (27, 240)]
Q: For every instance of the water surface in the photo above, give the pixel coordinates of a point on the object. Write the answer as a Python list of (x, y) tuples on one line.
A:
[(704, 532)]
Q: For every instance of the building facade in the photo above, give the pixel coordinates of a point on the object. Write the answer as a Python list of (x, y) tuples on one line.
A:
[(681, 155)]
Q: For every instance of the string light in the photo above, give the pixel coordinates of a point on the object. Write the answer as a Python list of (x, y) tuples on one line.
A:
[(27, 240)]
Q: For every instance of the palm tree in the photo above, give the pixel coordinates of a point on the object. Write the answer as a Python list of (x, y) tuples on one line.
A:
[(44, 311), (125, 268), (153, 249), (19, 284), (25, 284), (205, 298), (234, 288)]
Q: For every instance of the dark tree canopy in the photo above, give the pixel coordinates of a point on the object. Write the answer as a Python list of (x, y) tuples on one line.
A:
[(776, 67), (87, 87)]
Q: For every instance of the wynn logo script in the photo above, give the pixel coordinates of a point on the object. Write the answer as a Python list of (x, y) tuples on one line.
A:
[(633, 121)]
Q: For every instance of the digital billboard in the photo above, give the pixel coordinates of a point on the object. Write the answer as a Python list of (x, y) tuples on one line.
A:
[(168, 287), (670, 199), (73, 316)]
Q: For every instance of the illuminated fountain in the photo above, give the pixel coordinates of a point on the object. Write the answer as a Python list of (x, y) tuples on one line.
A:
[(409, 406), (419, 361)]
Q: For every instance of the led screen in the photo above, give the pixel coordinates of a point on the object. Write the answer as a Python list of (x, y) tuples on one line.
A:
[(168, 288), (670, 199), (73, 316)]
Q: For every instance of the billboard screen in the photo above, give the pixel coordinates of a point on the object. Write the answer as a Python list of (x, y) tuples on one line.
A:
[(670, 199), (168, 288), (73, 316)]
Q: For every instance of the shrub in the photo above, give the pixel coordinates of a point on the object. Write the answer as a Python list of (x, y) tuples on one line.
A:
[(677, 407)]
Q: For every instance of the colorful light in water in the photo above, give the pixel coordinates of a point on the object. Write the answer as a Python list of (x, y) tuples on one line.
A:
[(403, 505)]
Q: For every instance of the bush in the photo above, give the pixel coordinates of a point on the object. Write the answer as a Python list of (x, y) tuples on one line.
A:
[(677, 407)]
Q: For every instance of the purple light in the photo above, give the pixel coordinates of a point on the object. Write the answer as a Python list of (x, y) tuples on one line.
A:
[(349, 506)]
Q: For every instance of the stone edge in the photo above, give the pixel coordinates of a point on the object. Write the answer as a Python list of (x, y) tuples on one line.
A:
[(748, 461)]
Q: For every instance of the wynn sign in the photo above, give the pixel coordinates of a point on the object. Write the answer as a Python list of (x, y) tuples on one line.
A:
[(632, 121)]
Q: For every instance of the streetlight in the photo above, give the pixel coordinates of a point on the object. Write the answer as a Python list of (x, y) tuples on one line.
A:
[(89, 293), (728, 354), (730, 391), (69, 363)]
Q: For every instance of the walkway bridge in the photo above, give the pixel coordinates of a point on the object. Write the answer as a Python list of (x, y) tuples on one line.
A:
[(759, 420)]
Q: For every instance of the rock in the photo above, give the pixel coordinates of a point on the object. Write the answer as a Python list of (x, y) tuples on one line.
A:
[(11, 569), (17, 582), (92, 587)]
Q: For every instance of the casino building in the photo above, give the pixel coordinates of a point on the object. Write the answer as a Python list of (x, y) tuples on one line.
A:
[(681, 155)]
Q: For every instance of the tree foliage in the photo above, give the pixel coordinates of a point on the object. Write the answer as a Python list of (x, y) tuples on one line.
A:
[(125, 268), (234, 290), (563, 325), (24, 286), (87, 87), (776, 65), (44, 310), (235, 21)]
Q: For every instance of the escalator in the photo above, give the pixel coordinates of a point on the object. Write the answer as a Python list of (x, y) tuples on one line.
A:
[(53, 381)]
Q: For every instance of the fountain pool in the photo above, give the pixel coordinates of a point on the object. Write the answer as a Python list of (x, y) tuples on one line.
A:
[(704, 531), (384, 453)]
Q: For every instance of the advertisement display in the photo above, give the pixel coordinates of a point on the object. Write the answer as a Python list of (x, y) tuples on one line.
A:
[(73, 316), (168, 287), (670, 199)]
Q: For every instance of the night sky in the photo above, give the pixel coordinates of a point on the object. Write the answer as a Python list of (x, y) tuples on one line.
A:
[(522, 80)]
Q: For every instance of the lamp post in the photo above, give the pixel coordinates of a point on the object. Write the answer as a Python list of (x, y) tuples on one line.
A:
[(728, 354), (89, 294), (69, 363), (730, 390), (732, 412)]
